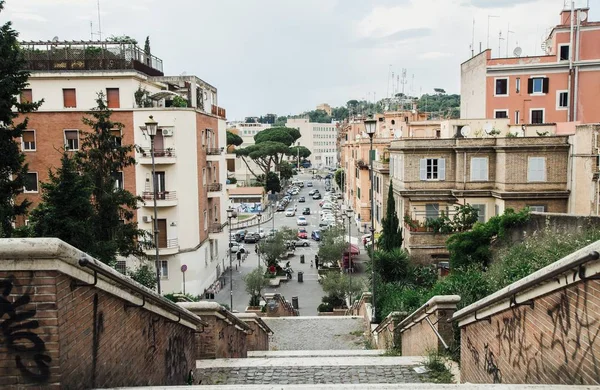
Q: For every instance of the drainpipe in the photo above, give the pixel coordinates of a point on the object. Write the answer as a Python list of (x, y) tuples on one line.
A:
[(570, 87), (464, 170), (576, 86)]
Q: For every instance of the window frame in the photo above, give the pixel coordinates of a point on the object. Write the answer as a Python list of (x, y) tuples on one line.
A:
[(487, 169), (531, 179), (505, 110), (545, 86), (531, 208), (507, 79), (37, 184), (518, 85), (34, 141), (74, 97), (108, 103), (531, 110), (119, 177), (517, 116), (441, 169), (480, 206), (558, 93), (164, 264), (559, 54), (66, 140), (21, 95)]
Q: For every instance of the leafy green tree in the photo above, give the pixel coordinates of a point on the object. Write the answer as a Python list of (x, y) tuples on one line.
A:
[(333, 245), (273, 249), (319, 116), (440, 105), (122, 39), (101, 158), (286, 170), (66, 210), (391, 235), (302, 150), (13, 169), (272, 184), (234, 139), (144, 275), (280, 121), (341, 285), (340, 179), (255, 284), (340, 113)]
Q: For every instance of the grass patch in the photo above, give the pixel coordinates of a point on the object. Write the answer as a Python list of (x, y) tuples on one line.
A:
[(241, 217), (357, 333), (438, 372)]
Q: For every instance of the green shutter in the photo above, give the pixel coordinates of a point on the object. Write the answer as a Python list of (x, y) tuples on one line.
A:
[(358, 193), (372, 154)]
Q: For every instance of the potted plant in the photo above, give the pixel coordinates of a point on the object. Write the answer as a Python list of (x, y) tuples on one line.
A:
[(255, 284), (169, 152)]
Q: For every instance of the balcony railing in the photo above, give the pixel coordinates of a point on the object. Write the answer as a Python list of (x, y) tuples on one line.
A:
[(218, 111), (216, 227), (213, 151), (162, 195), (171, 243), (214, 187), (146, 152)]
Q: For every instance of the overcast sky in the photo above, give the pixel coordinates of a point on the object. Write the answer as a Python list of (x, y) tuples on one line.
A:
[(287, 56)]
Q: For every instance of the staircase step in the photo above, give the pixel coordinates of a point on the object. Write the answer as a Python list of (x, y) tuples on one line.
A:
[(311, 361), (315, 353)]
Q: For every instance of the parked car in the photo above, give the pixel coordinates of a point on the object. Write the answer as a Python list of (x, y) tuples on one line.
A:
[(251, 238), (325, 223), (281, 207), (327, 206), (302, 233), (301, 242), (290, 212), (306, 211), (261, 233), (309, 183), (272, 232), (316, 235), (312, 192), (241, 234), (301, 199), (316, 196), (301, 221), (234, 247)]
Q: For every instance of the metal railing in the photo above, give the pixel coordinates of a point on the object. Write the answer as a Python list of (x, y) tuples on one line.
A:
[(171, 243), (146, 152), (213, 187), (213, 151), (162, 195), (216, 227)]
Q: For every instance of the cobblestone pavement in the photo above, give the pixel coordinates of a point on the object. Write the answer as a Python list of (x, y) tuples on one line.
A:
[(316, 333), (308, 375)]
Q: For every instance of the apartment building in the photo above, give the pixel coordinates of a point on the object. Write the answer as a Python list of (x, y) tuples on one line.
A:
[(559, 86), (319, 138), (190, 163), (242, 170)]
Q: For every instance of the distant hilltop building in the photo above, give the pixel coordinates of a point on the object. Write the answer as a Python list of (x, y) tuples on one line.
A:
[(325, 107)]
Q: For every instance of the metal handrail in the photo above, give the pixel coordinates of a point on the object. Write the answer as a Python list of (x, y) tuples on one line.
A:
[(145, 293), (511, 293), (214, 187), (169, 152), (162, 195), (213, 151)]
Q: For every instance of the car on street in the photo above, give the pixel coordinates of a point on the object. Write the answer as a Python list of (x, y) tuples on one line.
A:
[(281, 207), (290, 212), (316, 196), (309, 183), (302, 233), (316, 235), (301, 199), (241, 234), (234, 247), (300, 242), (261, 233), (312, 192), (301, 221), (323, 224), (272, 232), (306, 211), (251, 238), (327, 206)]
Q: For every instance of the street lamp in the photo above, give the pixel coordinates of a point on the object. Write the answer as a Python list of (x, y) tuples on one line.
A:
[(370, 127), (349, 215), (151, 130), (298, 160), (231, 213), (259, 216)]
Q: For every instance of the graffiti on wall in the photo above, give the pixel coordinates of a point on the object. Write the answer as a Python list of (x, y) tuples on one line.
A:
[(249, 208), (176, 364), (18, 333), (564, 353)]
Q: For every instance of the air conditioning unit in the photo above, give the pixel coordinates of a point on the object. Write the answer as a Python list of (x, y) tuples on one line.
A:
[(147, 218), (167, 132)]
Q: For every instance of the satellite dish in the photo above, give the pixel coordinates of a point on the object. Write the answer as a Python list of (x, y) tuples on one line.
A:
[(547, 45), (465, 131), (55, 39), (488, 127), (518, 51), (583, 16)]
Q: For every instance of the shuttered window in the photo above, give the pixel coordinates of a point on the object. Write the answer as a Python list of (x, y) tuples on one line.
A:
[(479, 169), (538, 85), (112, 98), (432, 169), (29, 140), (116, 135), (26, 96), (69, 98), (536, 169), (72, 139)]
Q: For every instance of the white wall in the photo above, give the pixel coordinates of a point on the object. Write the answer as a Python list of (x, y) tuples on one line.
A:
[(317, 137), (473, 87)]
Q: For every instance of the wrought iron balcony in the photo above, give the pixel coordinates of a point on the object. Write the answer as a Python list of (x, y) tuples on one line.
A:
[(213, 151), (146, 152), (214, 187), (162, 195)]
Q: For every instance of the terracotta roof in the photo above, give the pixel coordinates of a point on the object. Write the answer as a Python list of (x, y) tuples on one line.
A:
[(247, 191)]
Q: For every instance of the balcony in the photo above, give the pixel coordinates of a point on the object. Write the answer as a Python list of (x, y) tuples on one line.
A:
[(86, 56), (214, 189), (163, 198), (216, 228), (170, 246), (213, 154), (161, 156), (218, 111)]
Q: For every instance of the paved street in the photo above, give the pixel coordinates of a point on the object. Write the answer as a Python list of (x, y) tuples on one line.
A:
[(310, 292)]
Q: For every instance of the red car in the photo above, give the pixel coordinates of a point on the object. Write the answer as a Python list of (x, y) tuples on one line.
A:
[(302, 233)]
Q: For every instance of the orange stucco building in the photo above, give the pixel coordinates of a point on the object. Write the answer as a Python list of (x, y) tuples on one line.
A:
[(560, 86)]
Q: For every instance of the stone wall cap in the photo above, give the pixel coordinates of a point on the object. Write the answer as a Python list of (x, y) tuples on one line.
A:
[(255, 317), (206, 308), (438, 300)]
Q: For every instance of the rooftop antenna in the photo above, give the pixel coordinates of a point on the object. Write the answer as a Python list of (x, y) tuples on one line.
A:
[(500, 39), (404, 81), (99, 22), (473, 40), (508, 32)]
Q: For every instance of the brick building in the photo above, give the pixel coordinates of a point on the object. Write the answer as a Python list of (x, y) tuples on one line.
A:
[(190, 162)]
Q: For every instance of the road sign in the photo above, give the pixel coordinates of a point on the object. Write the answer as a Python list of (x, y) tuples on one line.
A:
[(183, 268)]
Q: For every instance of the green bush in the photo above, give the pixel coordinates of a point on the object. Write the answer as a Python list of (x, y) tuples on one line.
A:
[(470, 283)]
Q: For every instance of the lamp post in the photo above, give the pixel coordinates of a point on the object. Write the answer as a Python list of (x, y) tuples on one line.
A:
[(231, 213), (370, 127), (259, 216), (349, 215), (151, 130), (298, 160)]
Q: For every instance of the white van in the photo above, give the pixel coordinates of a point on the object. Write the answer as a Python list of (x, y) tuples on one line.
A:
[(298, 183)]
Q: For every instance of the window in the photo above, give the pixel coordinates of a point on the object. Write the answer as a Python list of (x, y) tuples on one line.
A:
[(501, 87), (500, 114), (480, 212), (116, 134), (28, 140), (26, 96), (537, 209), (538, 85), (496, 210), (563, 52), (537, 115), (358, 192), (205, 220), (118, 178), (121, 266), (518, 85), (517, 117), (164, 269), (536, 169), (562, 100), (31, 182), (69, 98), (72, 139), (479, 169), (432, 210), (112, 98), (432, 169)]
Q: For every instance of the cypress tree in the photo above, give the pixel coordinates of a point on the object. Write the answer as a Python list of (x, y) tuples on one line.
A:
[(391, 236)]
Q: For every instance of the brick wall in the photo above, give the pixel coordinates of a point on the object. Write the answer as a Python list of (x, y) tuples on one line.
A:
[(388, 332), (258, 338), (556, 342)]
